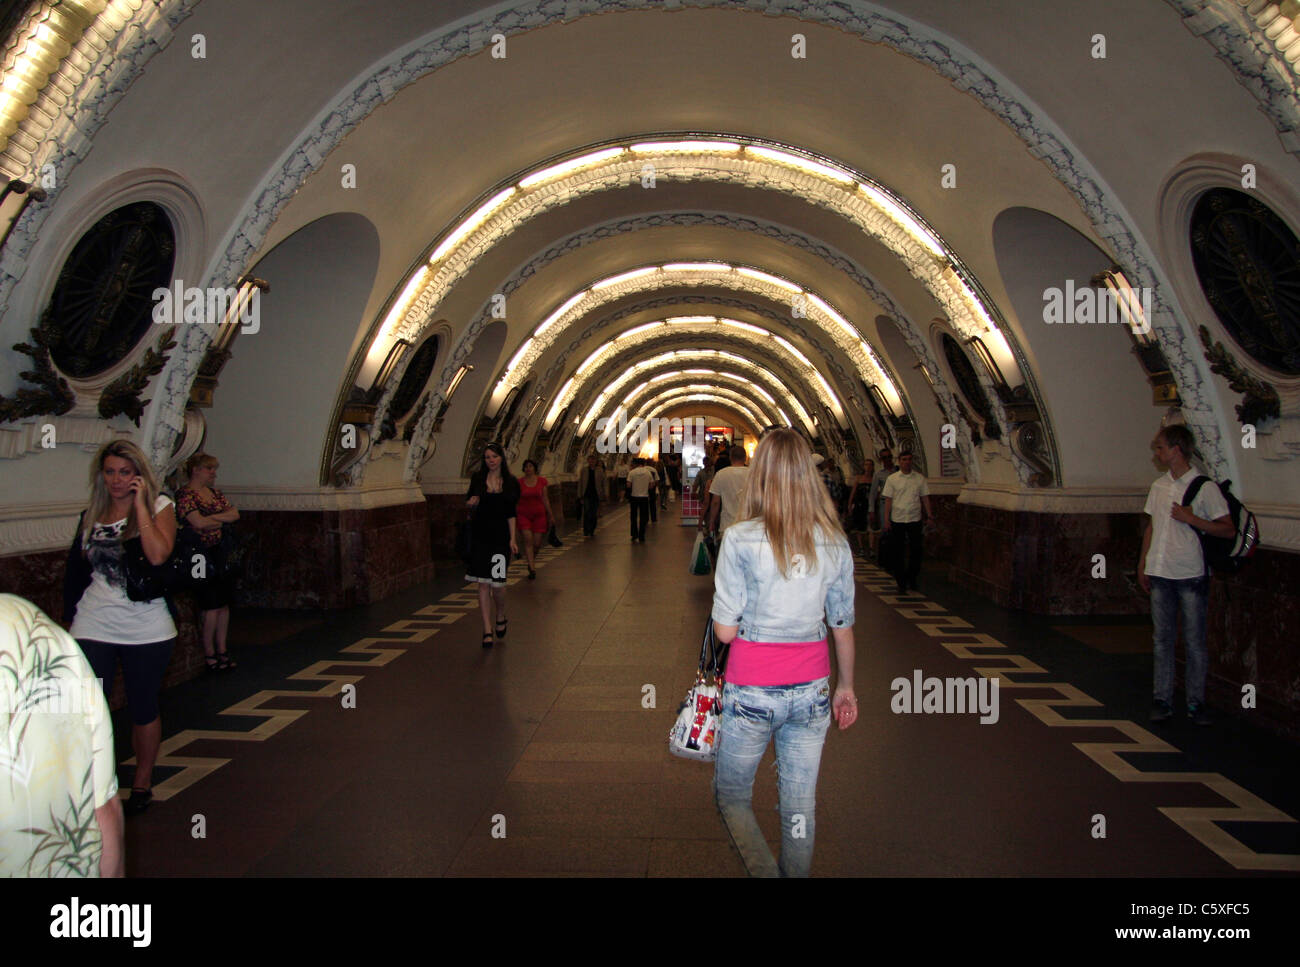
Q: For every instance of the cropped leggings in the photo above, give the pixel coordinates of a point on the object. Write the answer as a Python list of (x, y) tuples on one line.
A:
[(143, 667)]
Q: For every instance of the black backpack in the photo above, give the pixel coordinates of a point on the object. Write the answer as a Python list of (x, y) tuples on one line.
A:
[(1226, 555)]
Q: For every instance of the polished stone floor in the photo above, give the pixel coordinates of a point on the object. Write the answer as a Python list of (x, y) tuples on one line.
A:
[(386, 741)]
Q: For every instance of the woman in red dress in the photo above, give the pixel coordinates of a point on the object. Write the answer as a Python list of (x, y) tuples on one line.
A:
[(205, 509), (534, 512)]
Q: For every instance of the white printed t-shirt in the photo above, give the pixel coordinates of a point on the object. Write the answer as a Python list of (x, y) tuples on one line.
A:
[(1175, 550), (104, 612)]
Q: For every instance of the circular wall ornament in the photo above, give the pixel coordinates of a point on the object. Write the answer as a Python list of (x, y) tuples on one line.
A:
[(102, 304), (1247, 261)]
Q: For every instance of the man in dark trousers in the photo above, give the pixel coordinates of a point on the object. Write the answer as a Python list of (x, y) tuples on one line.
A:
[(640, 484), (591, 491), (907, 508)]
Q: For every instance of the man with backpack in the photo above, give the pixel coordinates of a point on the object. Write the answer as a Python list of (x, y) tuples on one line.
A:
[(1174, 571)]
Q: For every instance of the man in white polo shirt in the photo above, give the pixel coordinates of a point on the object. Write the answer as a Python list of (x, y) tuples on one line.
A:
[(907, 508), (1172, 569)]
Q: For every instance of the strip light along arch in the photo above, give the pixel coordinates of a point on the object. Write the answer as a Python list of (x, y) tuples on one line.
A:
[(656, 404), (677, 357), (708, 398), (842, 333), (674, 357), (850, 193), (696, 325), (658, 382)]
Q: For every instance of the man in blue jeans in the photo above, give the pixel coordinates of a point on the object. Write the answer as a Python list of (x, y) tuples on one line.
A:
[(1172, 569)]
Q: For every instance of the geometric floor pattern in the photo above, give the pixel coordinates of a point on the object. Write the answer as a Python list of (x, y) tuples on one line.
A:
[(1201, 822), (384, 741)]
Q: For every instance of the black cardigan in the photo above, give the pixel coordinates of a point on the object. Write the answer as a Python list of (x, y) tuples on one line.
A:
[(77, 577)]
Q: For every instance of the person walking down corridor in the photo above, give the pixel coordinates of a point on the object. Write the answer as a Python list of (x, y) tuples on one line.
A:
[(534, 511), (784, 574), (640, 481), (858, 514), (591, 491), (876, 515), (493, 496), (907, 508)]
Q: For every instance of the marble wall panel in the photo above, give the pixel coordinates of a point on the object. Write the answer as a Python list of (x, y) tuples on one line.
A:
[(334, 559), (444, 511), (1254, 639)]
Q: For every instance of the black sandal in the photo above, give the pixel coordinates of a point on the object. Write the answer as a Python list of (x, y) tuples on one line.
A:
[(138, 803), (225, 663), (211, 662), (487, 639), (501, 628)]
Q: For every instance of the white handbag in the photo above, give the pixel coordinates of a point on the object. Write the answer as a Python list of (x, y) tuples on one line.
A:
[(695, 733)]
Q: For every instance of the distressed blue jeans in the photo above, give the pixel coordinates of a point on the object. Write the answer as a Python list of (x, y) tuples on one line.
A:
[(1168, 598), (797, 716)]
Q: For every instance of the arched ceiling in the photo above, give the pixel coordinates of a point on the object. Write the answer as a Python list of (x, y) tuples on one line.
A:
[(854, 208)]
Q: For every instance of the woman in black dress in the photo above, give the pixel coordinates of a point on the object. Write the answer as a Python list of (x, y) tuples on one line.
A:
[(860, 507), (493, 494)]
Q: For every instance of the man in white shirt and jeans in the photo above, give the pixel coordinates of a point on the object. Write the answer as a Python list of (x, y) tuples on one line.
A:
[(1172, 569)]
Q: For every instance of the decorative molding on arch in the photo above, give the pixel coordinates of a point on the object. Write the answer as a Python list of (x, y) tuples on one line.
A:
[(473, 34), (1241, 41), (111, 65)]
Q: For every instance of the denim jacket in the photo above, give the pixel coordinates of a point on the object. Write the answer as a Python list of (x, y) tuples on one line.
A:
[(749, 590)]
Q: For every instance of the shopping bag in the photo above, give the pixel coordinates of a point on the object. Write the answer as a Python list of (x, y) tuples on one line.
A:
[(700, 557), (695, 733)]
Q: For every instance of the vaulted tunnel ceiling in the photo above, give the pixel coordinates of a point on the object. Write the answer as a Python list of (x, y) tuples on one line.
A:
[(826, 171)]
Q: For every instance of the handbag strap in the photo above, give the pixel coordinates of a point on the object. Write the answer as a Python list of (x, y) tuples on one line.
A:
[(712, 655)]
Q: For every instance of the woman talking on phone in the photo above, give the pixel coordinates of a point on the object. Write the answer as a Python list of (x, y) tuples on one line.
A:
[(784, 574), (109, 626)]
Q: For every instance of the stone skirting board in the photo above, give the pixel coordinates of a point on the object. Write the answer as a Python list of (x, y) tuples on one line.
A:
[(333, 558)]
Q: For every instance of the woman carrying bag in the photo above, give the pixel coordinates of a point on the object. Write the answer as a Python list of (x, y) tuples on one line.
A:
[(124, 505), (784, 574)]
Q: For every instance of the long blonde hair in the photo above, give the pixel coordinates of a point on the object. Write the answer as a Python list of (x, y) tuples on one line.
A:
[(785, 491), (99, 496)]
